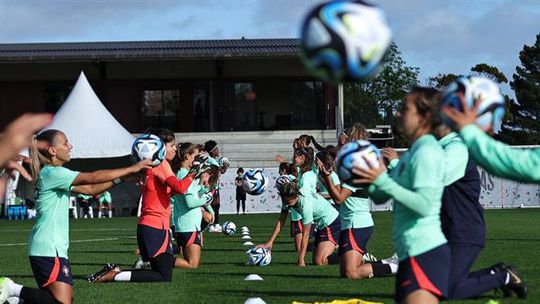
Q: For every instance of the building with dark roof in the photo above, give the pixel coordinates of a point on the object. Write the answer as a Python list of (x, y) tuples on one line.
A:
[(186, 86)]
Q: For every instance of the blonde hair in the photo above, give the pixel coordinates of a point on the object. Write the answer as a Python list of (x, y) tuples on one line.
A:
[(39, 157), (357, 132)]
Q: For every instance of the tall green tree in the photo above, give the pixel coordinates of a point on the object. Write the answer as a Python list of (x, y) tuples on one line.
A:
[(490, 72), (525, 123), (441, 81), (376, 101)]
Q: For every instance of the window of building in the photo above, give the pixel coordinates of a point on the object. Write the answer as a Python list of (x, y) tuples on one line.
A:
[(55, 95), (278, 104), (161, 109)]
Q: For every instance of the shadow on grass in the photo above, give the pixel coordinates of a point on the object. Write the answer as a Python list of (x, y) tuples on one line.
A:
[(512, 240), (281, 293), (100, 264), (246, 248), (101, 251)]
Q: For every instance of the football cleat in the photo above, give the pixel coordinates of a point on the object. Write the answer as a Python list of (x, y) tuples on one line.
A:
[(4, 294), (106, 274)]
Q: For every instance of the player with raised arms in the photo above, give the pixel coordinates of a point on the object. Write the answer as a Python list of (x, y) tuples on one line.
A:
[(49, 240), (416, 185), (153, 229)]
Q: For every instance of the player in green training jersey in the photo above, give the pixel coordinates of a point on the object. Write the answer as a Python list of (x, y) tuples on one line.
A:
[(49, 239), (416, 184), (522, 165)]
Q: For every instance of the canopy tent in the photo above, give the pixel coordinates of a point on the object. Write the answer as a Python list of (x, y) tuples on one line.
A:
[(90, 128), (99, 142)]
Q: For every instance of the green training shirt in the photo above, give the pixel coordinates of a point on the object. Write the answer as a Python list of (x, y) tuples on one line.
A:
[(522, 165), (187, 207), (455, 157), (416, 185), (335, 182), (314, 209), (355, 211), (50, 234)]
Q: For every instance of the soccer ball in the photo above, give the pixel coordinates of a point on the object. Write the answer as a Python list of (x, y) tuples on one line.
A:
[(148, 146), (344, 40), (229, 228), (259, 257), (255, 181), (223, 161), (282, 180), (491, 109), (352, 155)]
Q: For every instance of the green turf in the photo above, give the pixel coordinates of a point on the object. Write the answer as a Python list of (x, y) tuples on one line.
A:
[(513, 236)]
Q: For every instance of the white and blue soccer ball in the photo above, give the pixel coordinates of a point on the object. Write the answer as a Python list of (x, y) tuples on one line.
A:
[(229, 228), (356, 154), (259, 257), (344, 40), (282, 180), (148, 146), (223, 161), (255, 181), (491, 109)]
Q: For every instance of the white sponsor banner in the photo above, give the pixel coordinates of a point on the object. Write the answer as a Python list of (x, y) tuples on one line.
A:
[(496, 193)]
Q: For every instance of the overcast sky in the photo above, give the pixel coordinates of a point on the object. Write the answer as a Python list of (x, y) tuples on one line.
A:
[(436, 36)]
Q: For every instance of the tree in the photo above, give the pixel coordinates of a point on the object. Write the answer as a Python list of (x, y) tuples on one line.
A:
[(376, 101), (441, 81), (490, 72), (524, 126)]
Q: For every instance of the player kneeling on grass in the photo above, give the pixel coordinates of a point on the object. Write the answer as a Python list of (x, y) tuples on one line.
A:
[(356, 223), (153, 233), (314, 209), (188, 213), (49, 239)]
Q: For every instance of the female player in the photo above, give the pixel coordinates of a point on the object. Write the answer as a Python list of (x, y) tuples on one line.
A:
[(497, 158), (356, 222), (416, 185), (211, 147), (462, 219), (49, 239), (188, 208), (105, 198), (153, 233), (325, 159), (287, 172), (314, 209)]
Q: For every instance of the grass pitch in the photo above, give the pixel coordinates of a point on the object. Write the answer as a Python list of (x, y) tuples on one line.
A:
[(513, 237)]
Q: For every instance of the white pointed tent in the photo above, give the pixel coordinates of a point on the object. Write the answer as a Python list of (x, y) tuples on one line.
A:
[(90, 128)]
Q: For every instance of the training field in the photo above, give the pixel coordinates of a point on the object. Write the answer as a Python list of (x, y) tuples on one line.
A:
[(513, 236)]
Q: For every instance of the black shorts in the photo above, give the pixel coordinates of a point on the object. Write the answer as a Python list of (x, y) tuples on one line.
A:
[(329, 233), (184, 239), (428, 271), (153, 242), (48, 270), (296, 228), (354, 239)]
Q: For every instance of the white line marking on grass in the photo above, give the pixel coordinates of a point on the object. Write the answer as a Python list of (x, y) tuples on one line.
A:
[(73, 241), (96, 229)]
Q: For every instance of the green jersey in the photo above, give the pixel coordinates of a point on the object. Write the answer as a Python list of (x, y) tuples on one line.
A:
[(416, 185), (187, 207), (105, 197), (50, 234), (455, 157), (335, 181), (500, 159), (355, 211), (314, 209)]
